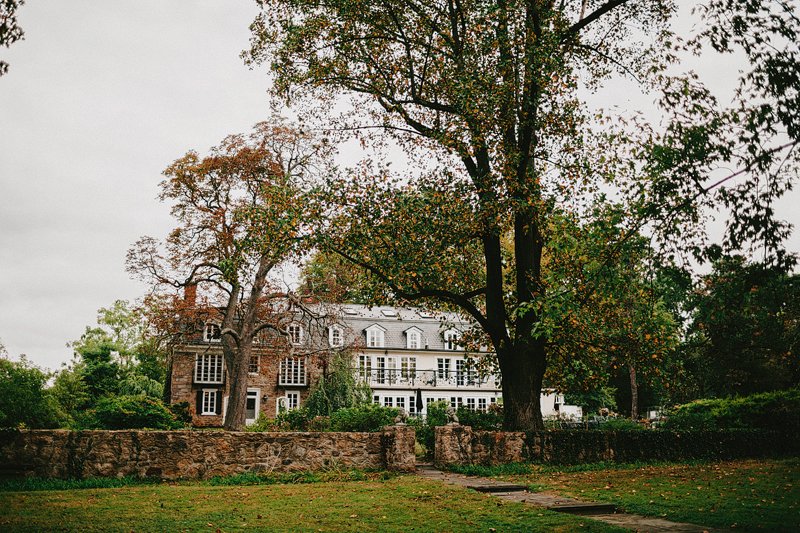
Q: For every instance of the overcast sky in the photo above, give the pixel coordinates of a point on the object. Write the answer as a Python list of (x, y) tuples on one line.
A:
[(101, 96)]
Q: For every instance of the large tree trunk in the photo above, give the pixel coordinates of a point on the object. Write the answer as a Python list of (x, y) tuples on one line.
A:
[(522, 368), (237, 392)]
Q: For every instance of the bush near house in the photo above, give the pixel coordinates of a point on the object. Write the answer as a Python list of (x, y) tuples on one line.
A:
[(778, 410), (134, 412), (368, 417)]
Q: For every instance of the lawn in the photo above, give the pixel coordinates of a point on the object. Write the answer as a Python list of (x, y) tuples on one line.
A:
[(403, 503), (742, 495)]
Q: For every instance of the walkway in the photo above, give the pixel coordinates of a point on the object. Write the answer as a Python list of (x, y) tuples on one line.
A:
[(604, 512)]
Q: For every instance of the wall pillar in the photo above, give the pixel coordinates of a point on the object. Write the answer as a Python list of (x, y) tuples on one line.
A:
[(453, 445)]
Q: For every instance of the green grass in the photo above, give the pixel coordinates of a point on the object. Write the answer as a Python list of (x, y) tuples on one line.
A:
[(402, 503), (35, 484), (747, 495)]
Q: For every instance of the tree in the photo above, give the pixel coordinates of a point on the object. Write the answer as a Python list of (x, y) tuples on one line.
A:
[(10, 32), (745, 330), (24, 399), (483, 98), (332, 279), (240, 214)]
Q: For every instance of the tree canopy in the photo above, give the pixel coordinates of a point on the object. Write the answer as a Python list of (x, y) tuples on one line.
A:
[(240, 215), (484, 98)]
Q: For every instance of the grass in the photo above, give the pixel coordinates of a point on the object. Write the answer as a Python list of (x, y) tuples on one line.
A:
[(402, 503), (749, 495), (36, 484)]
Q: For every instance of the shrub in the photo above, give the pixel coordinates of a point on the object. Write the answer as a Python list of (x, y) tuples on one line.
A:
[(23, 399), (617, 424), (489, 420), (134, 412), (370, 417), (779, 410), (293, 420)]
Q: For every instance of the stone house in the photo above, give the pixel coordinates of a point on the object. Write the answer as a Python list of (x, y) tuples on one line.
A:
[(407, 356)]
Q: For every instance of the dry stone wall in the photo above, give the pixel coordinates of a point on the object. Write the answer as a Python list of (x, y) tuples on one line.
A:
[(197, 454)]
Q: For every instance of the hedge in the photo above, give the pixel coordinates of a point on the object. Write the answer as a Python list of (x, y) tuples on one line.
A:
[(589, 446)]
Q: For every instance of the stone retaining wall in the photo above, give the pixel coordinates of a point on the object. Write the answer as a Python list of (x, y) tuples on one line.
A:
[(461, 445), (197, 454)]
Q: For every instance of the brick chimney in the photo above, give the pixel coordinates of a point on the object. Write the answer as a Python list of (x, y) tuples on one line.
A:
[(190, 294)]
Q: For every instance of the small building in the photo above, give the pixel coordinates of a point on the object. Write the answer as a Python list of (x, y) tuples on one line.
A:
[(407, 356)]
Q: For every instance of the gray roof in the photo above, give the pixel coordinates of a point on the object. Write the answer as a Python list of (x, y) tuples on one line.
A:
[(396, 320)]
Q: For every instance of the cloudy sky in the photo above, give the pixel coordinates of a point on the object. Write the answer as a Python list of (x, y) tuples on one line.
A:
[(100, 98)]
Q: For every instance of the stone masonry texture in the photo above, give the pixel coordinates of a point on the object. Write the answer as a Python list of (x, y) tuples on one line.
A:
[(197, 454)]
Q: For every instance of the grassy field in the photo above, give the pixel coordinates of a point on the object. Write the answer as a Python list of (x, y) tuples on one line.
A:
[(404, 503), (742, 495)]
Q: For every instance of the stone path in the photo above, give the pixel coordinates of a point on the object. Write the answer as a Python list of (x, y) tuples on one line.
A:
[(604, 512)]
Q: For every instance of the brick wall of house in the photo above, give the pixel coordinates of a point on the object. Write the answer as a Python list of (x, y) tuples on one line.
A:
[(183, 389)]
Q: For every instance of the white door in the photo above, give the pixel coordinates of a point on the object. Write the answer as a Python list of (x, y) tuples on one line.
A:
[(251, 407)]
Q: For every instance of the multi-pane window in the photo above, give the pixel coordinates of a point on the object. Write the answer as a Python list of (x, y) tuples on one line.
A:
[(252, 366), (376, 399), (375, 337), (408, 367), (208, 405), (293, 371), (471, 404), (442, 368), (481, 404), (387, 401), (412, 405), (335, 337), (364, 367), (208, 368), (292, 400), (451, 340), (385, 369), (465, 373), (212, 332), (400, 402), (295, 332), (413, 340)]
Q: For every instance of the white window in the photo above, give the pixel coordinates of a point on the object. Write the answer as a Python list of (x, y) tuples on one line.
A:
[(212, 332), (292, 400), (365, 367), (251, 410), (413, 339), (465, 373), (208, 405), (412, 405), (387, 401), (335, 336), (295, 332), (400, 401), (252, 366), (293, 371), (376, 399), (386, 369), (208, 368), (451, 340), (375, 337), (443, 368), (481, 404), (471, 404), (408, 367)]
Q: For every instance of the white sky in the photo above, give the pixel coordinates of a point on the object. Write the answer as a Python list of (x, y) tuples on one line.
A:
[(101, 96)]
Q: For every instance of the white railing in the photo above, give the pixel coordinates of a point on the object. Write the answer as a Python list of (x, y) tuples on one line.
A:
[(425, 378)]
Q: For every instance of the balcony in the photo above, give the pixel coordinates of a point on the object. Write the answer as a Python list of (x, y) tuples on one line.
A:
[(426, 379)]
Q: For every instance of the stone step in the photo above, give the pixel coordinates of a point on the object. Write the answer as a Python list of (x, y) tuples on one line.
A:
[(587, 508), (497, 487)]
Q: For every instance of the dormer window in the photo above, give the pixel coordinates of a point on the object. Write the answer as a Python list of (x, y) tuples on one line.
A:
[(413, 338), (335, 336), (212, 332), (375, 336), (295, 332), (451, 337)]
